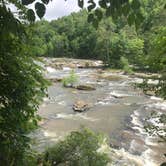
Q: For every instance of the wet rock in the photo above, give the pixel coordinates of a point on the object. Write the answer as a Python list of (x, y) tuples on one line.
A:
[(85, 87), (110, 77), (59, 63), (80, 106), (55, 80), (146, 75), (116, 95), (150, 93)]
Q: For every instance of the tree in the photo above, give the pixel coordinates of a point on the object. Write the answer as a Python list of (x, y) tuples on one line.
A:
[(22, 88), (22, 84)]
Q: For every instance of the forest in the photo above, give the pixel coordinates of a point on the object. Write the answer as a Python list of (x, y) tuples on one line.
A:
[(72, 36), (127, 35)]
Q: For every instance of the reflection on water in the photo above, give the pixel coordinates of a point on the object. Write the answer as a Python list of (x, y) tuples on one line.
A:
[(118, 110)]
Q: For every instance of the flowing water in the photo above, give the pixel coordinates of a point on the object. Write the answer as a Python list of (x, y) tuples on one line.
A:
[(117, 109)]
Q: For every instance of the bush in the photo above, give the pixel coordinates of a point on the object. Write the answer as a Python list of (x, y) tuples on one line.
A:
[(80, 148), (125, 65), (70, 80)]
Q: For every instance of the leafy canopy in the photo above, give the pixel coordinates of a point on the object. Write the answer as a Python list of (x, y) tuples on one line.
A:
[(131, 9)]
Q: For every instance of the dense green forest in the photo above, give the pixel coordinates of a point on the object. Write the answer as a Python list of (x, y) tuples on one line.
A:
[(129, 40), (72, 36)]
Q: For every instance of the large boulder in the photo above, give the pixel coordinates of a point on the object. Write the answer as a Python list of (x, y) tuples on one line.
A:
[(80, 106), (85, 87)]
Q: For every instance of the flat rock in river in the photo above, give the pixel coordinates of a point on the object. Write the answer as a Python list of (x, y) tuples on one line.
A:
[(85, 87)]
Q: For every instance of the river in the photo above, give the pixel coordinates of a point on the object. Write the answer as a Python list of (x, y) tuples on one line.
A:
[(118, 110)]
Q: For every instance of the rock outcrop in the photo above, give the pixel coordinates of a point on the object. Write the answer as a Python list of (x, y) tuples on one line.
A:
[(80, 106)]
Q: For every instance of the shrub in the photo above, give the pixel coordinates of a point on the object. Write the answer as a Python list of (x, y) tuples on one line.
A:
[(80, 148), (125, 65), (70, 80)]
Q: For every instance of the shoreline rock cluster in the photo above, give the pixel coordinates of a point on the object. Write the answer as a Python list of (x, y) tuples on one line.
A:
[(60, 63)]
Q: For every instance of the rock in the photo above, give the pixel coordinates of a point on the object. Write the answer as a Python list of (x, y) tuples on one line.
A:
[(116, 95), (110, 77), (80, 106), (150, 93), (55, 80), (59, 63), (85, 87)]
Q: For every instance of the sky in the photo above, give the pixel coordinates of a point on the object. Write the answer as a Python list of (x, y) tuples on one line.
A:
[(58, 8)]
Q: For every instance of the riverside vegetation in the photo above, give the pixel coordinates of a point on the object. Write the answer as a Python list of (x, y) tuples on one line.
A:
[(23, 86)]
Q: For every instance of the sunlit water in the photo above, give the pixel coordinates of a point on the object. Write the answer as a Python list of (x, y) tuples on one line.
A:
[(121, 118)]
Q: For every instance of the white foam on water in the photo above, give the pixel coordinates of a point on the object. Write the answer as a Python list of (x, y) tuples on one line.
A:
[(75, 117), (147, 155), (43, 105), (45, 99), (137, 80), (105, 101), (116, 94), (104, 148), (135, 120), (150, 81), (67, 68), (151, 141), (53, 136), (143, 160), (158, 105), (62, 103), (98, 63), (49, 134), (50, 69), (156, 121), (127, 104), (156, 98)]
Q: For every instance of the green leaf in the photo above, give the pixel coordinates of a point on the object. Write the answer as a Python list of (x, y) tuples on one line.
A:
[(165, 6), (40, 9), (92, 6), (135, 4), (131, 19), (108, 12), (27, 2), (45, 1), (125, 9), (31, 15), (99, 14), (95, 23), (81, 3), (103, 4), (139, 17), (90, 17), (138, 20)]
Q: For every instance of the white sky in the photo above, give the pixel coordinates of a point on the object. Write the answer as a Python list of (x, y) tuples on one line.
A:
[(59, 8)]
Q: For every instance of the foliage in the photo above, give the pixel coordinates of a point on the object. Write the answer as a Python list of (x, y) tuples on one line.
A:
[(22, 88), (22, 84), (115, 8), (80, 148), (157, 50), (125, 65), (72, 36), (70, 80)]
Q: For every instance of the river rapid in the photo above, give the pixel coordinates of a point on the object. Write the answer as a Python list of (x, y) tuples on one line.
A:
[(118, 110)]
